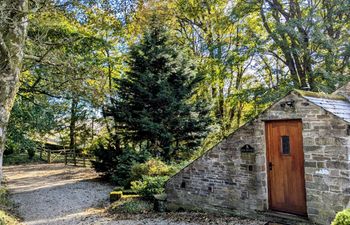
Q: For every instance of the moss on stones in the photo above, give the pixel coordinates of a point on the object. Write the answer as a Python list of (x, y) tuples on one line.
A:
[(321, 95)]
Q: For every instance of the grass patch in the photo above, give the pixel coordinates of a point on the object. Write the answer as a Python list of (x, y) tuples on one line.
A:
[(6, 208), (7, 219), (321, 95), (118, 188), (130, 196), (21, 158), (131, 206)]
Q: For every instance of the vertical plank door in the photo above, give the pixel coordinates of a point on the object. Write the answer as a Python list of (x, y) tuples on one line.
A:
[(285, 166)]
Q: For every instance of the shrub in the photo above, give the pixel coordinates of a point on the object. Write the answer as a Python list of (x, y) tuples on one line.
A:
[(21, 158), (115, 196), (149, 186), (132, 206), (115, 163), (31, 153), (6, 218), (342, 218), (133, 196), (6, 207), (4, 198), (9, 150), (153, 167), (129, 192), (118, 188)]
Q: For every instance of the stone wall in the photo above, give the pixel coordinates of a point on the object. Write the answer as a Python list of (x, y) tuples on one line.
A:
[(226, 180)]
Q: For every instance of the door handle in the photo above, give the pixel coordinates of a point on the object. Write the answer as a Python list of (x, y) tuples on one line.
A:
[(270, 165)]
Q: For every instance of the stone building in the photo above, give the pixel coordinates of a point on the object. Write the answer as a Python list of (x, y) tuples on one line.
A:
[(293, 158)]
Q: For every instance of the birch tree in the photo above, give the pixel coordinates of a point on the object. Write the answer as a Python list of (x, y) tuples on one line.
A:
[(13, 26)]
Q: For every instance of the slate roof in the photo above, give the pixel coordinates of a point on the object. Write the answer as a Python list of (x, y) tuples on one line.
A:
[(338, 107)]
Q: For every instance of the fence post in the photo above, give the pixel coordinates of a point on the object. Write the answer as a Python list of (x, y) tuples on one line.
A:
[(65, 157), (41, 153), (84, 160), (75, 156), (49, 156)]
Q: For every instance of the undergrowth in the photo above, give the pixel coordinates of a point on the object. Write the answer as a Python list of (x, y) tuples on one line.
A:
[(6, 209), (22, 158), (131, 206)]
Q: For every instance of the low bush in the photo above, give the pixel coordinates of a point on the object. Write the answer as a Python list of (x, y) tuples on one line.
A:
[(131, 196), (118, 188), (149, 186), (6, 207), (115, 196), (31, 153), (4, 198), (7, 219), (129, 192), (132, 206), (21, 158), (342, 218), (115, 163), (153, 167), (9, 150)]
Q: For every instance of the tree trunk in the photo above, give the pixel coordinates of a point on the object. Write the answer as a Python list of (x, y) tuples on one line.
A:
[(13, 27), (72, 125)]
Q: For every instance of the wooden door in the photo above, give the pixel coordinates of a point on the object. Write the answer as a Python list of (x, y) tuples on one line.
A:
[(285, 166)]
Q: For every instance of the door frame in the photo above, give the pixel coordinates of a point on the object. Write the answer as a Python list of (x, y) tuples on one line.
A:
[(268, 182)]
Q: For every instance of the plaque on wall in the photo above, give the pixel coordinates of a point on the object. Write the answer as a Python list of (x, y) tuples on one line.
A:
[(247, 148)]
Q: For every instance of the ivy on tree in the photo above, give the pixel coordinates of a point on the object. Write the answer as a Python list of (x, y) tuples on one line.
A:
[(155, 103)]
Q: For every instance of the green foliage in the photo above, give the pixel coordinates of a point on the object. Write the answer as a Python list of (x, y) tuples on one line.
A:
[(4, 198), (28, 120), (6, 206), (115, 163), (31, 153), (118, 188), (131, 196), (21, 158), (132, 206), (149, 186), (310, 43), (7, 219), (153, 105), (153, 167), (321, 95), (64, 74), (342, 218), (115, 196)]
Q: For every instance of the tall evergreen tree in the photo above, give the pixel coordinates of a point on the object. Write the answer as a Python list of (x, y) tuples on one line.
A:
[(155, 104)]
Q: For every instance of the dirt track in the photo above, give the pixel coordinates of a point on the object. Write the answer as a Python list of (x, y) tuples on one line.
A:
[(54, 194)]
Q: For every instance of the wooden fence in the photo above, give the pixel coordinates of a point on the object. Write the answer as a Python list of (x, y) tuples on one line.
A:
[(67, 156)]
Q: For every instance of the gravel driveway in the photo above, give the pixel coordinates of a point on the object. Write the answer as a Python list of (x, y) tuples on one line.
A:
[(64, 195)]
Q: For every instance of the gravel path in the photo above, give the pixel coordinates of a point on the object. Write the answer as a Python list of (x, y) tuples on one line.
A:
[(54, 194)]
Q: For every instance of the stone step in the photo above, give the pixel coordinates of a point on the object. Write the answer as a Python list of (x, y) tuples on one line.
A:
[(280, 218)]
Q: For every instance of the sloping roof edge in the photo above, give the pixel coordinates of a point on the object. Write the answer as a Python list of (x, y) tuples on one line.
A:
[(306, 94)]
